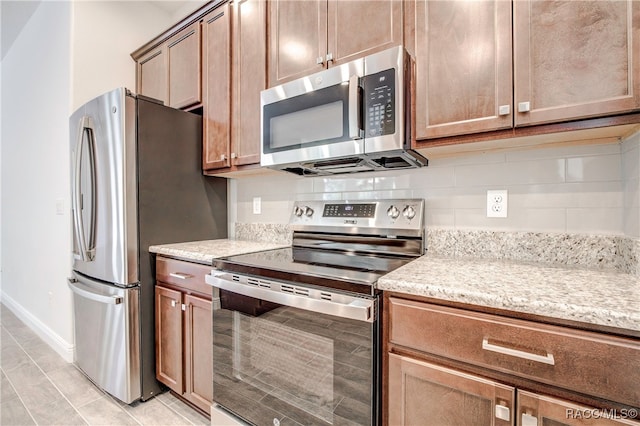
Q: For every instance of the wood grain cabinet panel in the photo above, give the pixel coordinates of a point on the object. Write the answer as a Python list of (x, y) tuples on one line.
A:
[(216, 66), (183, 52), (424, 393), (152, 74), (463, 67), (543, 410), (184, 330), (575, 59), (249, 77), (169, 338), (308, 36)]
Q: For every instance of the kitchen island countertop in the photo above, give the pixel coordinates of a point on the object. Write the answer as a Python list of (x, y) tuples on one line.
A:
[(206, 251), (595, 297)]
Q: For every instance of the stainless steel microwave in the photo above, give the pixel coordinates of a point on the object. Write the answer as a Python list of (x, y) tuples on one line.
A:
[(353, 117)]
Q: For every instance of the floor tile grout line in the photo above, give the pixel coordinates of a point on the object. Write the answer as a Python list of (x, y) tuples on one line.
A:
[(18, 396), (48, 378)]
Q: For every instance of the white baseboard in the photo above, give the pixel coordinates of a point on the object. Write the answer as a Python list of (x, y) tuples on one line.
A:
[(57, 343)]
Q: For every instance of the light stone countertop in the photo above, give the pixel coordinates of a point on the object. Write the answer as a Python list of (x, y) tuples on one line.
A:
[(206, 251), (589, 296)]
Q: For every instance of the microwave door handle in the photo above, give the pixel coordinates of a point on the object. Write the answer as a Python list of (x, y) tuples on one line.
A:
[(354, 108)]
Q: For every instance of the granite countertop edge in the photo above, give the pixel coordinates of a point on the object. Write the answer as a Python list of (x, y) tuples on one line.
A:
[(597, 297), (593, 297)]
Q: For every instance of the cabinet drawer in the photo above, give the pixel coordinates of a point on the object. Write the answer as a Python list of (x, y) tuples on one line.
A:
[(186, 275), (586, 362)]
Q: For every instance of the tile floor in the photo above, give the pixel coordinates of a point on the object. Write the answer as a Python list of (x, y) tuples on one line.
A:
[(39, 388)]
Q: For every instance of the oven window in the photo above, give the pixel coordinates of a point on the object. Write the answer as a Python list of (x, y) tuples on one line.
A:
[(319, 117), (274, 362)]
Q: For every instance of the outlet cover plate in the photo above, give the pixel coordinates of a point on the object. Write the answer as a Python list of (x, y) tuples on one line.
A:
[(257, 205), (497, 203)]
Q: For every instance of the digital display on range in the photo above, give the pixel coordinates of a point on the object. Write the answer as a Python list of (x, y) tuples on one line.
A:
[(349, 210)]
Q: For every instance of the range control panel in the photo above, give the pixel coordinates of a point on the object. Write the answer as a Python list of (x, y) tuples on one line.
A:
[(371, 215)]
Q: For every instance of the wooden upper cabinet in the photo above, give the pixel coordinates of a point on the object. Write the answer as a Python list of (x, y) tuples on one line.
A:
[(152, 74), (216, 97), (297, 39), (249, 77), (183, 53), (575, 59), (307, 36), (170, 72), (355, 29), (463, 67)]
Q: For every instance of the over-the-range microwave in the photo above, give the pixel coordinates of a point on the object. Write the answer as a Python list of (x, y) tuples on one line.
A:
[(353, 117)]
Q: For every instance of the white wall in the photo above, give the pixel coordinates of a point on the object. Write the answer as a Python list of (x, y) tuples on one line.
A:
[(574, 189), (67, 53)]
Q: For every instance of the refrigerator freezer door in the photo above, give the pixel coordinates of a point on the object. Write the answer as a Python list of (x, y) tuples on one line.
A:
[(103, 187), (107, 336)]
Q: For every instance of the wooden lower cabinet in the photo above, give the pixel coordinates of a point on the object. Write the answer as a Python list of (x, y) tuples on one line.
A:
[(184, 332), (452, 366), (422, 393)]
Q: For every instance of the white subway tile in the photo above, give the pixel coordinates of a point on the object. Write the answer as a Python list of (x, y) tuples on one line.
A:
[(441, 218), (590, 169), (501, 175), (342, 184), (595, 220), (564, 152)]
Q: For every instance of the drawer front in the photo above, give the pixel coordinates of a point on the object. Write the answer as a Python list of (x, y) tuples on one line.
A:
[(586, 362), (186, 275)]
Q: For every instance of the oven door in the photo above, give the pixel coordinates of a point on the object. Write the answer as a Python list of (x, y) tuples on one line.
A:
[(284, 353), (313, 118)]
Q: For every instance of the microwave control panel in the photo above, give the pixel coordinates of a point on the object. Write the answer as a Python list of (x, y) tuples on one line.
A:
[(379, 103)]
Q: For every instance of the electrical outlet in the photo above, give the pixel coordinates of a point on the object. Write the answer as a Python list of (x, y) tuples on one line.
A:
[(497, 203), (257, 205)]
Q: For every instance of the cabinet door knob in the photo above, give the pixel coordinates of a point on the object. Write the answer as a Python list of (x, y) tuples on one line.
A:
[(504, 109), (184, 307), (233, 155), (524, 106), (503, 413), (173, 303), (319, 60), (223, 157), (329, 57)]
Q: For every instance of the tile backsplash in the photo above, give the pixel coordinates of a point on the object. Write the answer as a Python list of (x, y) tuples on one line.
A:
[(585, 189)]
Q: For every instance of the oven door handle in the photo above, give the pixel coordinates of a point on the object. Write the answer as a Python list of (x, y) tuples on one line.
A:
[(356, 308)]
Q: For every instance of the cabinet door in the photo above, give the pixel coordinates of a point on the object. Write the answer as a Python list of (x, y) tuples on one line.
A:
[(297, 39), (421, 391), (534, 409), (463, 67), (152, 74), (356, 29), (198, 351), (249, 77), (169, 338), (216, 102), (183, 52), (575, 59)]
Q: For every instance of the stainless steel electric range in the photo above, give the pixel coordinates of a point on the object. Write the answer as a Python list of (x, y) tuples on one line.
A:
[(296, 339)]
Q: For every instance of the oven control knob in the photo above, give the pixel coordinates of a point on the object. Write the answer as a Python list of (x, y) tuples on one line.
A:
[(409, 212), (298, 211), (308, 211), (393, 212)]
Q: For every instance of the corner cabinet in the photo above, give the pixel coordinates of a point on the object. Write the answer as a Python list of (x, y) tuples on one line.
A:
[(183, 319), (452, 366), (570, 61), (307, 36)]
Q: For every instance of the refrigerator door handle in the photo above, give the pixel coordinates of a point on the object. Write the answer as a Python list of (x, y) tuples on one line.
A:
[(74, 285), (87, 253)]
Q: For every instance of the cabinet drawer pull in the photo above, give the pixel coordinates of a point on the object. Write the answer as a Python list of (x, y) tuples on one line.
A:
[(180, 275), (524, 106), (503, 413), (548, 359)]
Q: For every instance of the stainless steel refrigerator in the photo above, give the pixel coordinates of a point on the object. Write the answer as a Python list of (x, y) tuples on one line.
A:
[(136, 180)]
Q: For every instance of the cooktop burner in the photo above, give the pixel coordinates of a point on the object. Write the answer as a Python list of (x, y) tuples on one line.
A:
[(341, 245)]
